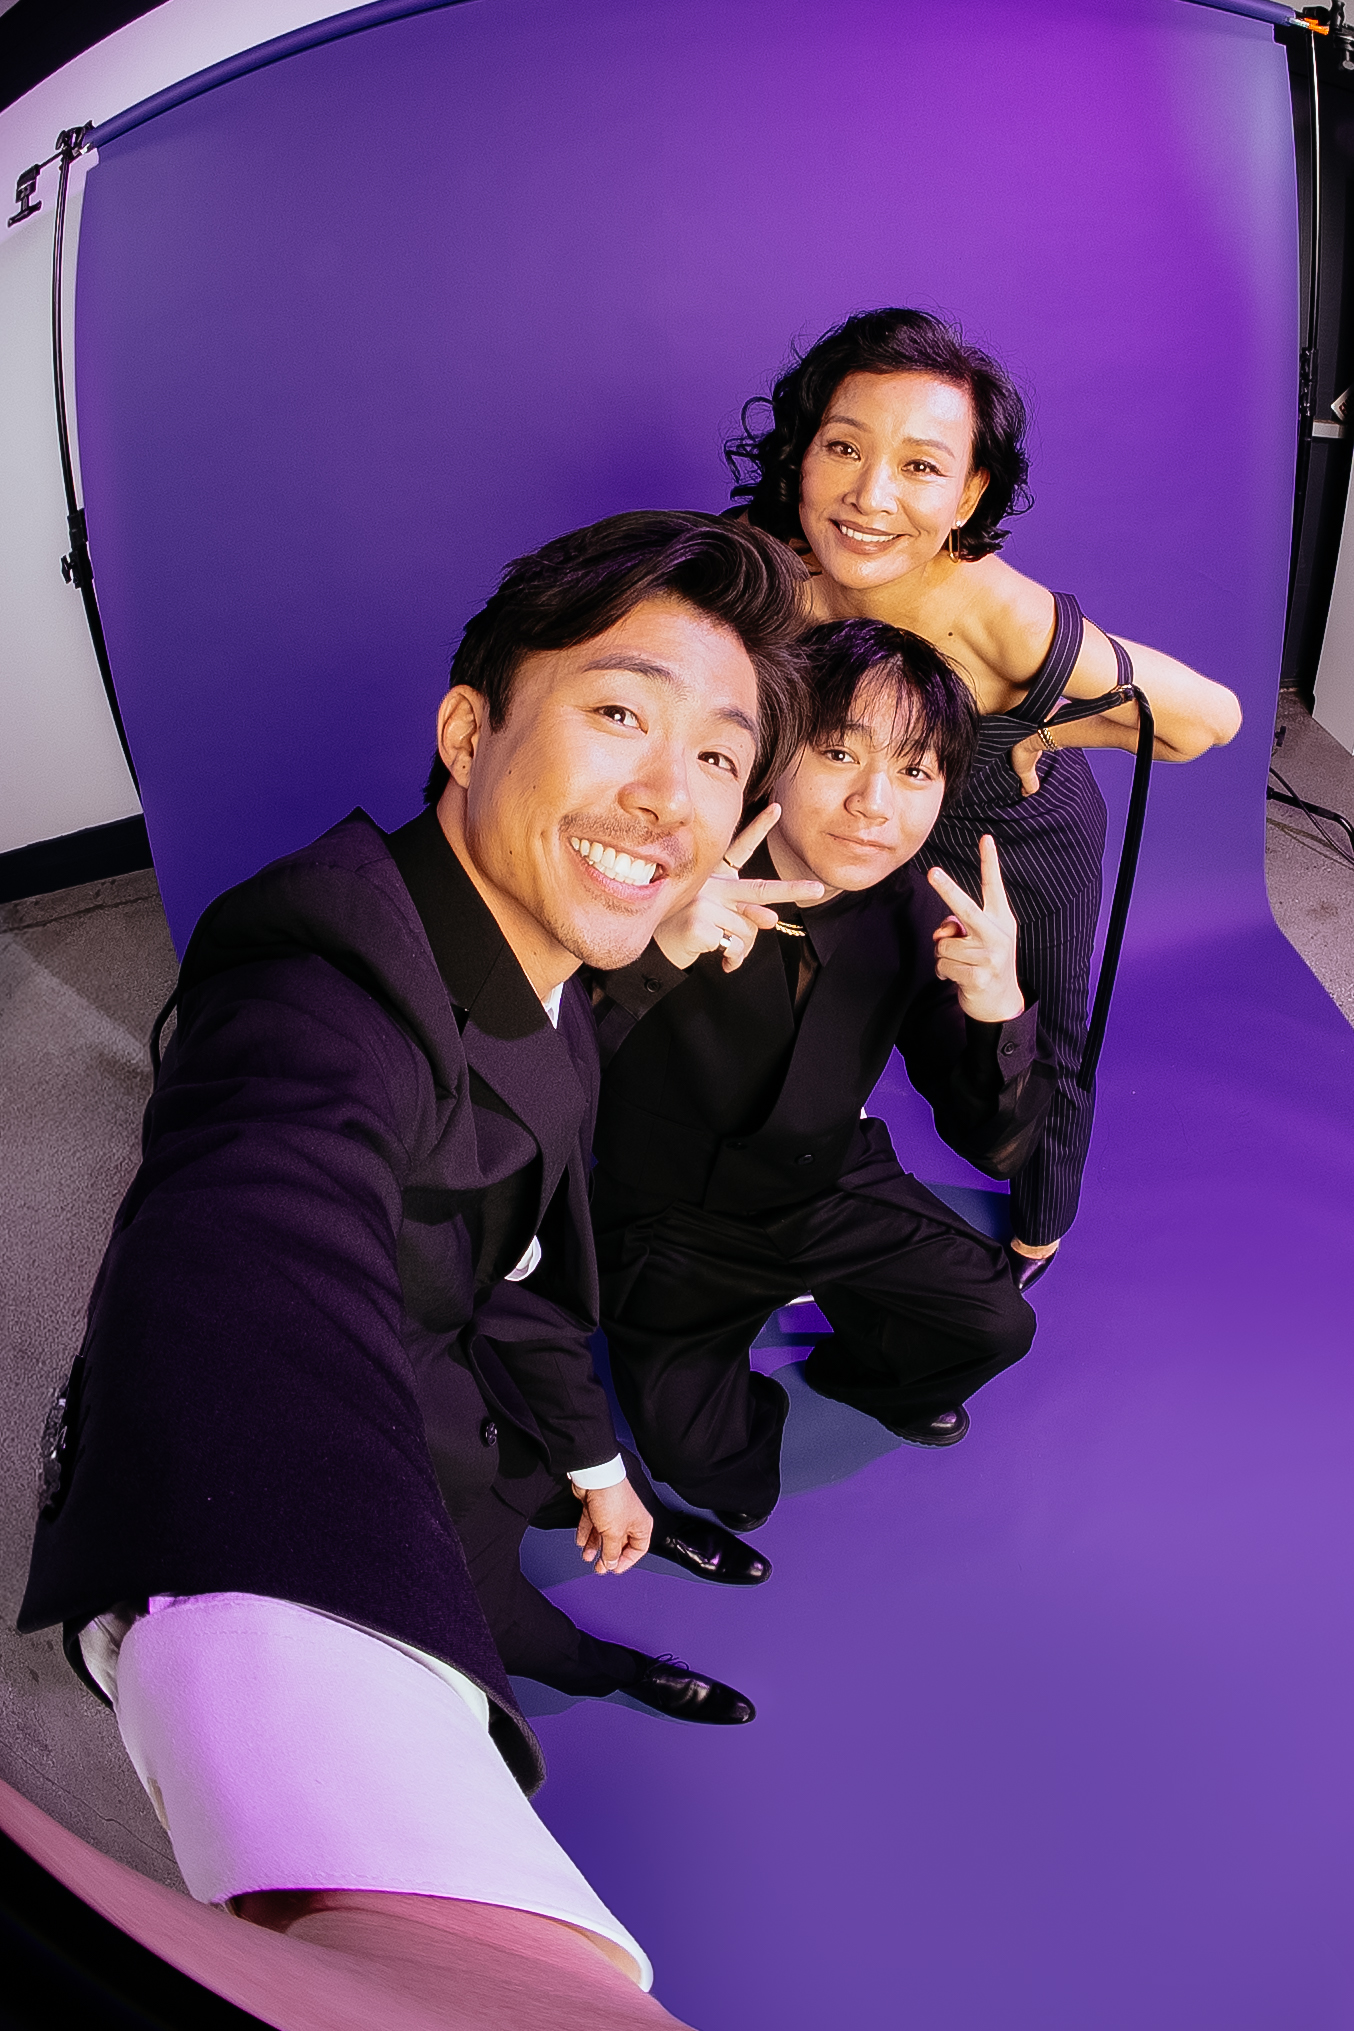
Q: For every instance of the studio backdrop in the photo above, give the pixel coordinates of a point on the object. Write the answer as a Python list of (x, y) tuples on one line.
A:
[(356, 328), (1051, 1729)]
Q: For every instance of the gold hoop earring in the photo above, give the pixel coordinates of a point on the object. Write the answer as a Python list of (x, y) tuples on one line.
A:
[(950, 544)]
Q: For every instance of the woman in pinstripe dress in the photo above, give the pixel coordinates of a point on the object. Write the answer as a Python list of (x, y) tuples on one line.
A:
[(894, 453)]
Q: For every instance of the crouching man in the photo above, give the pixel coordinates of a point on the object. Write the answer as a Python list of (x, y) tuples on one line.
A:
[(735, 1170), (304, 1356)]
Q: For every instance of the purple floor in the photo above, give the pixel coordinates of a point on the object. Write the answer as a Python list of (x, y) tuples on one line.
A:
[(1053, 1729)]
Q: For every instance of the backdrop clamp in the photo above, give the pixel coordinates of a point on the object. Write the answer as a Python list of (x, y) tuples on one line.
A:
[(70, 142)]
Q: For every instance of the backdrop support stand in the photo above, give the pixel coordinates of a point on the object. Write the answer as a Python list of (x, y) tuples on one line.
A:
[(76, 566)]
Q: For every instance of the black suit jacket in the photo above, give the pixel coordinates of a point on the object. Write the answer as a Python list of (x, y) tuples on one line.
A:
[(533, 1093), (718, 1099), (333, 1175)]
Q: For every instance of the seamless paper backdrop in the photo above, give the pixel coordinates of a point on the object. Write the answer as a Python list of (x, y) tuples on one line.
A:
[(1053, 1729), (356, 329)]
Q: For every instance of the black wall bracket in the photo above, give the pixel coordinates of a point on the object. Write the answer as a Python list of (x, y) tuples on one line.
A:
[(24, 191)]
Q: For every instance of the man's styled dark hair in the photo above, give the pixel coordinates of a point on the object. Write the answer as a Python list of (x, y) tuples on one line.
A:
[(578, 586), (884, 342), (934, 710)]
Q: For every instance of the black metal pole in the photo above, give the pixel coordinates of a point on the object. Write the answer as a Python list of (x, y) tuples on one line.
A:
[(76, 568), (1309, 359)]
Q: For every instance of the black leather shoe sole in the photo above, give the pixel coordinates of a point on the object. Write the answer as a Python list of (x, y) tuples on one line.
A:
[(669, 1688), (742, 1520), (711, 1553), (947, 1428)]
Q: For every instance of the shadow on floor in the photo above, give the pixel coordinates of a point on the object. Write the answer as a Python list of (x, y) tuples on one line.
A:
[(824, 1442)]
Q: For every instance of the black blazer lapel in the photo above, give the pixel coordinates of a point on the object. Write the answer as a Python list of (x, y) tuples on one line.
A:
[(507, 1037), (535, 1077)]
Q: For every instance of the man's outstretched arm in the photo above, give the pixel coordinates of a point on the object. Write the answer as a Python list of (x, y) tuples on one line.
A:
[(248, 1419)]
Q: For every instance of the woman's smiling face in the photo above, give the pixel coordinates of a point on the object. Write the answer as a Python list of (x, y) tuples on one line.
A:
[(887, 476)]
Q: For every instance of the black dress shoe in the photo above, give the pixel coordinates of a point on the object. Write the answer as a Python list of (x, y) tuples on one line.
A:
[(1027, 1269), (670, 1688), (946, 1428), (710, 1553), (742, 1520)]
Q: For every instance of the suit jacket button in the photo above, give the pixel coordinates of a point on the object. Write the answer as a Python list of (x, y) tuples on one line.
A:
[(1008, 1050), (488, 1433), (650, 986), (807, 1158)]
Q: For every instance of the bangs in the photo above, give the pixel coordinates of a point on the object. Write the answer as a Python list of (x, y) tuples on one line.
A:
[(867, 670), (887, 695)]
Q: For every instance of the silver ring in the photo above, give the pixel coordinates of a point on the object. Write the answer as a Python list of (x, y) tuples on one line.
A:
[(725, 941)]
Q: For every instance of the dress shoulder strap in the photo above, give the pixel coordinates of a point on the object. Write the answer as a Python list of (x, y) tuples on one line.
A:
[(1046, 686), (1123, 661)]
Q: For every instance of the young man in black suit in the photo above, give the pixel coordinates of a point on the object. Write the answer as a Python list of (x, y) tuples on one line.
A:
[(736, 1169), (348, 1297)]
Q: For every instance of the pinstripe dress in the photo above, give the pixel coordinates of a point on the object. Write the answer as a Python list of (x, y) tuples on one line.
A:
[(1051, 847)]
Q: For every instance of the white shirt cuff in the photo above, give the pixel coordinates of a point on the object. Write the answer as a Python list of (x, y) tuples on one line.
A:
[(609, 1475), (527, 1264)]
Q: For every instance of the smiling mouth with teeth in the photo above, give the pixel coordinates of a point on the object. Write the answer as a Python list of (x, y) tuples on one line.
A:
[(871, 537), (619, 867)]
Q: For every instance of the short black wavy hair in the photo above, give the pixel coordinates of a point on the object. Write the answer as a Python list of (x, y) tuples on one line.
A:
[(883, 342), (577, 586), (935, 710)]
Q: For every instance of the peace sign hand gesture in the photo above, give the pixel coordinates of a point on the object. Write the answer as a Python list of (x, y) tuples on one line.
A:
[(728, 913), (976, 944)]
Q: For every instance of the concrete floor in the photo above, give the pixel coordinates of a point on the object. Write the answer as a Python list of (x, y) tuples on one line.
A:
[(1309, 864), (82, 974)]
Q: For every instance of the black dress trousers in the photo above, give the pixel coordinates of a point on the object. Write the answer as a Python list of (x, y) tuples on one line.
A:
[(922, 1308), (495, 1481), (534, 1638)]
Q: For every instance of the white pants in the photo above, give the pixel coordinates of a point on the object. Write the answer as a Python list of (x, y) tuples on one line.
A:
[(285, 1749)]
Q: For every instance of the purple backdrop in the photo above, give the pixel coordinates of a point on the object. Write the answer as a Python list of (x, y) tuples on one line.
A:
[(1051, 1729)]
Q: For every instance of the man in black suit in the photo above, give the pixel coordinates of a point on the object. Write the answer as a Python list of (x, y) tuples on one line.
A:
[(518, 1426), (736, 1169), (307, 1356)]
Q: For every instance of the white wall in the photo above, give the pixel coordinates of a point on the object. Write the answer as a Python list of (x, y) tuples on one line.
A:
[(61, 767), (1334, 707)]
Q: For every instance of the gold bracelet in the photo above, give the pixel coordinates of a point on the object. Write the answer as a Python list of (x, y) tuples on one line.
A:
[(1047, 739)]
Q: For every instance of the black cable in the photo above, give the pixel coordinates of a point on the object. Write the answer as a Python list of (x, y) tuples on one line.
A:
[(76, 568), (1123, 889), (1316, 812), (1087, 708)]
